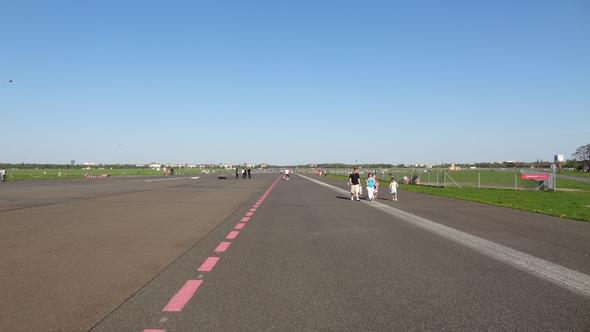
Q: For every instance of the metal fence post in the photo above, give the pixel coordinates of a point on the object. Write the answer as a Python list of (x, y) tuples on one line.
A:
[(478, 180), (554, 167), (515, 185)]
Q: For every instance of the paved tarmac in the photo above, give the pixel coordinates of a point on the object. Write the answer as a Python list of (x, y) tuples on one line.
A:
[(262, 254), (73, 250)]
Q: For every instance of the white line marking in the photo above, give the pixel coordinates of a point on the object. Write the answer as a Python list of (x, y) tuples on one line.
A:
[(170, 179), (575, 281)]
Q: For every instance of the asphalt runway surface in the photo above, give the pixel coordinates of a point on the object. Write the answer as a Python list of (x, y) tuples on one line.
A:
[(182, 254)]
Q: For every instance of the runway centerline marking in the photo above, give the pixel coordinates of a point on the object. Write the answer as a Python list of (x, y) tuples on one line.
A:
[(222, 247), (575, 281), (183, 296), (232, 235), (208, 264)]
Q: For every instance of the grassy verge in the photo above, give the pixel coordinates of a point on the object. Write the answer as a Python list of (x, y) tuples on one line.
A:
[(575, 173), (571, 205), (572, 184)]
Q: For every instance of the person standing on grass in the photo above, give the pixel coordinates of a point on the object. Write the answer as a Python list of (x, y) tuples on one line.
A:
[(2, 175), (249, 170), (393, 189), (354, 183), (237, 175), (370, 186)]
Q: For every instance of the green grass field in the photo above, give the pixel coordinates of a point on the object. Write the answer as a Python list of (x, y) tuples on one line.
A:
[(566, 184), (474, 179), (75, 173), (572, 205), (480, 178), (575, 173)]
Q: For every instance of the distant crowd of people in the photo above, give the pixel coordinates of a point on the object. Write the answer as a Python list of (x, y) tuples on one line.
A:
[(245, 173), (285, 173), (356, 190)]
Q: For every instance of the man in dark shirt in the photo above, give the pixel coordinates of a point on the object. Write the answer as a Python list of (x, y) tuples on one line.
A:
[(354, 182)]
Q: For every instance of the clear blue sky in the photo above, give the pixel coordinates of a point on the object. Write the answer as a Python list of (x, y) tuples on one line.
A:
[(288, 82)]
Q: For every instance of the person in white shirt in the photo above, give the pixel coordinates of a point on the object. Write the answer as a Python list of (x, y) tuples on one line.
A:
[(393, 189)]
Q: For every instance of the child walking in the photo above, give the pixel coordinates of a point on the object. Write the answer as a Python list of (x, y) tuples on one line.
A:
[(393, 189), (370, 186)]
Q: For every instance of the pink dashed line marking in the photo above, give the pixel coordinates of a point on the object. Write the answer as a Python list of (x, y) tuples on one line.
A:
[(208, 264), (245, 219), (240, 225), (183, 296), (222, 246), (249, 214), (252, 210), (232, 235)]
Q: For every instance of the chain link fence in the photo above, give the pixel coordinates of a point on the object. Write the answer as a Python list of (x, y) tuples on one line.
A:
[(471, 178)]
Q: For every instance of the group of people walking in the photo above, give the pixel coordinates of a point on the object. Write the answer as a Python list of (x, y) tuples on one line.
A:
[(354, 180), (245, 173)]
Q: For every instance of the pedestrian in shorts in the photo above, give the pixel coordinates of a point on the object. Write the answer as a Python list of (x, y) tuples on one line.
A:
[(354, 183), (393, 189)]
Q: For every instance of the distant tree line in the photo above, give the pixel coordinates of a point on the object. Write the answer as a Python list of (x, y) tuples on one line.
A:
[(64, 166), (580, 161), (582, 157)]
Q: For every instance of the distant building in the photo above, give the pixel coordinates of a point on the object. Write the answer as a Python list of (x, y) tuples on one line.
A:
[(156, 166), (558, 158), (454, 168), (72, 162)]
